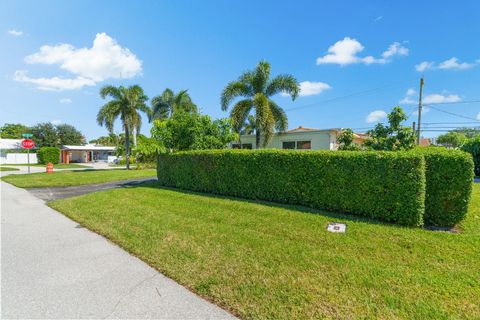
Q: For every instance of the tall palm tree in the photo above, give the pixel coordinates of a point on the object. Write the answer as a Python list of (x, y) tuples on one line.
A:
[(125, 104), (165, 105), (256, 87)]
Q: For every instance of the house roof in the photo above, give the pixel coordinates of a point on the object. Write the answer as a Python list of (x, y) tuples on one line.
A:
[(10, 144), (88, 147), (302, 129)]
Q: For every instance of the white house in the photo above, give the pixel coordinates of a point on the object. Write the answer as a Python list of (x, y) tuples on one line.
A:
[(87, 153), (300, 138)]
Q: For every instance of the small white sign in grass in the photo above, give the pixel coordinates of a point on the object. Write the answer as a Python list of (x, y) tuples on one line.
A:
[(337, 227)]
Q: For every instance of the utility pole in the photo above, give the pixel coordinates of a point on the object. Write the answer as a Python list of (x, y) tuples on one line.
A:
[(419, 111), (414, 127)]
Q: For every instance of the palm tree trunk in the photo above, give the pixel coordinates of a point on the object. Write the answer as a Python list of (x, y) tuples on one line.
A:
[(127, 147), (257, 138), (134, 132)]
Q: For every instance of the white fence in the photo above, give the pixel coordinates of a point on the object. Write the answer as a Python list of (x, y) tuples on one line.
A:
[(18, 158)]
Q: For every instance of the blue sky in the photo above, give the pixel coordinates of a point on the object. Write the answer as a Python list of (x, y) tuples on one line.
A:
[(356, 59)]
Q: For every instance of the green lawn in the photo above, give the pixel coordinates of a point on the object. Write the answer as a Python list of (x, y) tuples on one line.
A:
[(55, 166), (8, 169), (73, 178), (269, 261)]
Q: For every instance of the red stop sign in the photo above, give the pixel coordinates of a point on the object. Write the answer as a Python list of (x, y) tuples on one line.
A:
[(28, 144)]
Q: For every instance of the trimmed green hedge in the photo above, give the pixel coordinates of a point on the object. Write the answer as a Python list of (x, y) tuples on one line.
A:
[(384, 185), (449, 176), (48, 154)]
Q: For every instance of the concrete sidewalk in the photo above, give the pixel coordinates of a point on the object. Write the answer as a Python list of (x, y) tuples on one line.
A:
[(53, 268)]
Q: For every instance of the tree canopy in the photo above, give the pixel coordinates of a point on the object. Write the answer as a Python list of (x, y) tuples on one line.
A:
[(13, 130), (393, 136), (193, 131), (168, 103), (256, 88), (452, 139)]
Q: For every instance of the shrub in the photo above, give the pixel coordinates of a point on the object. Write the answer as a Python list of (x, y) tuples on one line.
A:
[(123, 162), (384, 185), (48, 154), (472, 146), (449, 177)]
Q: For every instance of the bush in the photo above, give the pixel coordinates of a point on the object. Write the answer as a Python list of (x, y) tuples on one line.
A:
[(48, 154), (449, 177), (472, 146), (123, 161), (384, 185)]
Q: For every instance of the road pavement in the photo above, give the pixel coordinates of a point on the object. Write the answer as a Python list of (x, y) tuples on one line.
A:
[(52, 268)]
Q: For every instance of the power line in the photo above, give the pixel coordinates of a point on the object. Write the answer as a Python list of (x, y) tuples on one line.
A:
[(365, 92), (457, 102), (453, 114)]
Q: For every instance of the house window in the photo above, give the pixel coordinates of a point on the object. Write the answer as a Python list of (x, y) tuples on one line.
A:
[(244, 146), (288, 144), (304, 145)]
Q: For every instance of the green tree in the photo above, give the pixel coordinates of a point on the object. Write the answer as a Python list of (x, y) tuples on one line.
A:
[(468, 132), (112, 140), (69, 135), (256, 88), (166, 104), (192, 131), (345, 140), (126, 103), (13, 130), (147, 149), (45, 135), (394, 136), (452, 139)]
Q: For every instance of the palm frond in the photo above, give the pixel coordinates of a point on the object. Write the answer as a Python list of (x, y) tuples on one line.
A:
[(262, 74), (279, 115), (112, 91), (264, 117), (283, 83), (240, 113), (234, 90)]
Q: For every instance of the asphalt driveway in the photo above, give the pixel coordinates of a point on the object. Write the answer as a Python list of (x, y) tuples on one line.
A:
[(54, 193)]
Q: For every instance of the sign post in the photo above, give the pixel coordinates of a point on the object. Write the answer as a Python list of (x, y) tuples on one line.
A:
[(28, 144)]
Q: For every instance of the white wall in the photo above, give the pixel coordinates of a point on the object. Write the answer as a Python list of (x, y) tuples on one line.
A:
[(320, 140), (18, 158)]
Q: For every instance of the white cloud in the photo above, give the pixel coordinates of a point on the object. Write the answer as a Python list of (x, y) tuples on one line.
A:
[(395, 49), (310, 88), (56, 122), (430, 98), (54, 83), (408, 99), (65, 100), (378, 19), (376, 116), (478, 116), (15, 33), (345, 52), (440, 98), (106, 59), (450, 64), (425, 65)]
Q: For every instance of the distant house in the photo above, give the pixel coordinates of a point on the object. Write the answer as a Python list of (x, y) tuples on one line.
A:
[(301, 138), (87, 153)]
